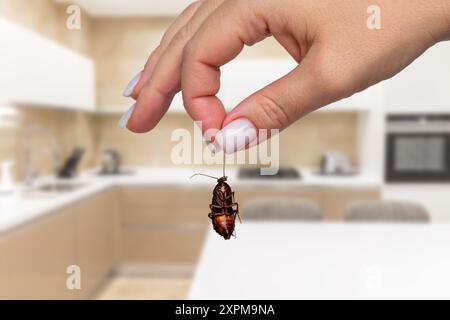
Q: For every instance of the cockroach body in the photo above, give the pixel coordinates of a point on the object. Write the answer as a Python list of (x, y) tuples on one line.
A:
[(224, 209)]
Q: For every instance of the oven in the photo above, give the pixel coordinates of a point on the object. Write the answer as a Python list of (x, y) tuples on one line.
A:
[(418, 148)]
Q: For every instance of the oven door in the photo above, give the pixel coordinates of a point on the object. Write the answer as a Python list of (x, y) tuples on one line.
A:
[(418, 157)]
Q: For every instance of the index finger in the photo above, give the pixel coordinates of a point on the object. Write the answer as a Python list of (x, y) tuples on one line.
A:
[(220, 39)]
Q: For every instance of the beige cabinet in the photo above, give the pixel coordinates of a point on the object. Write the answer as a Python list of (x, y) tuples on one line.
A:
[(245, 194), (94, 245), (166, 205), (163, 224), (35, 257), (3, 272), (335, 201), (163, 245)]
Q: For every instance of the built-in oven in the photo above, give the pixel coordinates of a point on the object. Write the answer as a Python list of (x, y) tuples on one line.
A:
[(418, 148)]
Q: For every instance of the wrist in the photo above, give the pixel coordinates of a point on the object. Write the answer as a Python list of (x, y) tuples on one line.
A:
[(446, 9), (444, 20)]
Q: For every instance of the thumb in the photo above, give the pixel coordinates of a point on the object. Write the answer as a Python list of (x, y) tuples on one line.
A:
[(306, 88)]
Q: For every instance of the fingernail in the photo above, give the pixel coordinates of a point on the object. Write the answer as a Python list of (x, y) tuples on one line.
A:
[(130, 87), (208, 137), (126, 117), (236, 135), (211, 147)]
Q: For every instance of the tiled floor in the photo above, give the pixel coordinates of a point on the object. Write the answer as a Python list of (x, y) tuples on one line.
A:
[(145, 288)]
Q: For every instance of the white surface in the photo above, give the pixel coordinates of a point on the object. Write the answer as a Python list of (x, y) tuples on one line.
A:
[(131, 8), (38, 71), (20, 208), (423, 86), (371, 141), (434, 197), (325, 261)]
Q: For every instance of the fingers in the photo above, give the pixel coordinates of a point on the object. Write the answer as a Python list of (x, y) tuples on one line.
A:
[(165, 79), (311, 85), (219, 39), (136, 84)]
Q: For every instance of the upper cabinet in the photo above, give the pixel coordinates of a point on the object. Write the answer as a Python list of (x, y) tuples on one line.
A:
[(424, 86), (37, 71)]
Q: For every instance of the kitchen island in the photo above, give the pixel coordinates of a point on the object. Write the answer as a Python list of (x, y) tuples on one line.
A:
[(326, 261)]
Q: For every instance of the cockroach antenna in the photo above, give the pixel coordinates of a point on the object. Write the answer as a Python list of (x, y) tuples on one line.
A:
[(204, 175), (224, 177)]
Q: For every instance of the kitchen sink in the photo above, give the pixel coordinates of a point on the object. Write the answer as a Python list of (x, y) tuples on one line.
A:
[(53, 188), (116, 173), (59, 187)]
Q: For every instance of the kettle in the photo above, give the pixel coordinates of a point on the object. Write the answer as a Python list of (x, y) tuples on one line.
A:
[(335, 163), (111, 162)]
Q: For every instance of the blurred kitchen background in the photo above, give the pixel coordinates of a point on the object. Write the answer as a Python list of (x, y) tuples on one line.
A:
[(77, 190)]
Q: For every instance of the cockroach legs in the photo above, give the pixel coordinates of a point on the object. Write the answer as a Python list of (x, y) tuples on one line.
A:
[(237, 211)]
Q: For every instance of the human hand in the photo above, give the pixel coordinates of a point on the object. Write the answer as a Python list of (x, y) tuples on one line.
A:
[(338, 55)]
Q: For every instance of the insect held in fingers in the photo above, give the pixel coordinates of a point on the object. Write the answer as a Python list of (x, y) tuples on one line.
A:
[(223, 208)]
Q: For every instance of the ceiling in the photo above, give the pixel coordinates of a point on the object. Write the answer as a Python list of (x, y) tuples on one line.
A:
[(130, 8)]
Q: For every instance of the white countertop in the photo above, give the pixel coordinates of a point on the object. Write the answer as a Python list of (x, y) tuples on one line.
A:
[(20, 208), (326, 261)]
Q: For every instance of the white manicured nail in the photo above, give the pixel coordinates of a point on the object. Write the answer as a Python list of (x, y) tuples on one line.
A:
[(130, 87), (126, 117), (211, 147), (236, 135)]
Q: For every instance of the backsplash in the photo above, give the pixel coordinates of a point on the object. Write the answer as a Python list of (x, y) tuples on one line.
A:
[(46, 132), (302, 144)]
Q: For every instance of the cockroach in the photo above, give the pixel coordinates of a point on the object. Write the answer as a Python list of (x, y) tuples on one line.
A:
[(224, 209)]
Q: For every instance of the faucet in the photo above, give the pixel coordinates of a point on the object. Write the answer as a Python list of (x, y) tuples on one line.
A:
[(29, 173)]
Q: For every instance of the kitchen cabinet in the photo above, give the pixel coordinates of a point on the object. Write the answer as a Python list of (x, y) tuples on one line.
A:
[(165, 205), (35, 257), (246, 194), (3, 272), (163, 224), (94, 229), (38, 255), (36, 71), (163, 245), (336, 201)]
